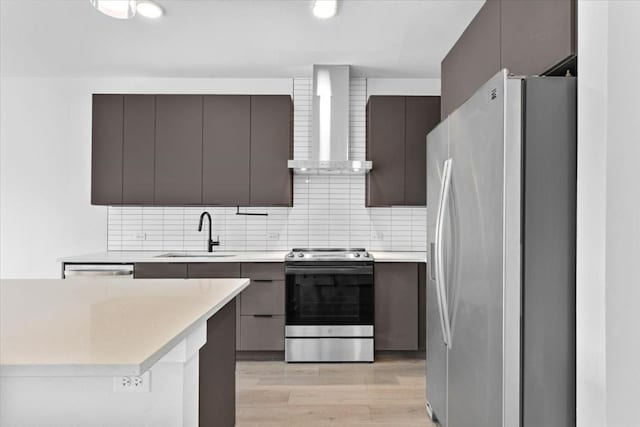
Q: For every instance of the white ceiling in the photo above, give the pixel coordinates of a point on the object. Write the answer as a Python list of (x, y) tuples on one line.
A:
[(230, 38)]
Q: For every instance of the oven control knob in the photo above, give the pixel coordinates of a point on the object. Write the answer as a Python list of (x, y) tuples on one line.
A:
[(290, 255), (357, 255), (366, 255), (300, 255)]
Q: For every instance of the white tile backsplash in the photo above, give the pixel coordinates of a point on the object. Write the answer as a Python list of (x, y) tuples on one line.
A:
[(328, 210)]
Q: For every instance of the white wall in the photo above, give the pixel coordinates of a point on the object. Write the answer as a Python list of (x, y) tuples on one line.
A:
[(623, 215), (592, 169), (45, 155), (608, 213)]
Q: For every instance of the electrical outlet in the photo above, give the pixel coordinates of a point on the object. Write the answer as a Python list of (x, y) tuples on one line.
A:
[(141, 236), (273, 236), (139, 384), (377, 235)]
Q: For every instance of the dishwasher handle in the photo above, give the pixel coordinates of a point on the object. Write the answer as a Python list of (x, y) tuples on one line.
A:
[(100, 270)]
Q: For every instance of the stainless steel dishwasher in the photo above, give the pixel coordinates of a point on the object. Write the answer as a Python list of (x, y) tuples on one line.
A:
[(98, 271)]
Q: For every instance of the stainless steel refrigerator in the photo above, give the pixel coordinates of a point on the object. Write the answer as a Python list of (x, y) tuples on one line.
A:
[(501, 201)]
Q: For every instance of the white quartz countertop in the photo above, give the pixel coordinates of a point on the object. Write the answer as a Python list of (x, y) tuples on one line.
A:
[(109, 327), (118, 257), (149, 256), (380, 256)]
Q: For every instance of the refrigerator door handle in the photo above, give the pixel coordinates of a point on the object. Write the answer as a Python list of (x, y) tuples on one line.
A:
[(440, 280), (439, 269)]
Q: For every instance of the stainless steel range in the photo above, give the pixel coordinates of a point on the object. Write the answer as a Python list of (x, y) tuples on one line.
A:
[(329, 305)]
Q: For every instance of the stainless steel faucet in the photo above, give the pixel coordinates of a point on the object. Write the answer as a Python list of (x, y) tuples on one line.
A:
[(210, 242)]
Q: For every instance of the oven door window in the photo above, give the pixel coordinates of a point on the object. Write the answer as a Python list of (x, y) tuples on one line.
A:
[(329, 299)]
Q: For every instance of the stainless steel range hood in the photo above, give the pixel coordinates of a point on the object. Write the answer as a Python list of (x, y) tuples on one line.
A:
[(330, 128)]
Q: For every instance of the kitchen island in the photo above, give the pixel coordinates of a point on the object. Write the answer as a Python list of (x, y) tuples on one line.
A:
[(113, 352)]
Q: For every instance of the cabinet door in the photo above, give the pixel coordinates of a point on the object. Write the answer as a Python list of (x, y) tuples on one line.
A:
[(396, 306), (262, 333), (226, 150), (263, 297), (271, 148), (474, 59), (385, 148), (422, 306), (422, 114), (106, 150), (160, 270), (214, 270), (178, 150), (537, 35), (138, 171)]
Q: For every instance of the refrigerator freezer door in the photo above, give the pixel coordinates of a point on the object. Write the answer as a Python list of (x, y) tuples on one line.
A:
[(437, 154), (476, 271)]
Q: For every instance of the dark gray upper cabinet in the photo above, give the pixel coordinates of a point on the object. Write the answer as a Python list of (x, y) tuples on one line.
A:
[(396, 306), (226, 150), (397, 127), (271, 148), (473, 59), (422, 115), (527, 37), (386, 149), (536, 35), (138, 171), (176, 150), (178, 159), (106, 150)]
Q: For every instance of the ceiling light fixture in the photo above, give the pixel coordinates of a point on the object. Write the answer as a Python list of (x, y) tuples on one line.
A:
[(149, 9), (325, 8), (119, 9)]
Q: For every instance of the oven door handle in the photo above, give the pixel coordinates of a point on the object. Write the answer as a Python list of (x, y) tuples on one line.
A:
[(329, 270)]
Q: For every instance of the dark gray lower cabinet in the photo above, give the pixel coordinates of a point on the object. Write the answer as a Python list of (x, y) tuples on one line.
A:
[(214, 270), (262, 307), (217, 393), (396, 306), (262, 333), (422, 306), (160, 270), (263, 297)]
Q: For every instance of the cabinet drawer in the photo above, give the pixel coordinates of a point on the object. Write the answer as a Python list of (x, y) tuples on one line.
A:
[(263, 270), (212, 270), (263, 297), (262, 333), (157, 270)]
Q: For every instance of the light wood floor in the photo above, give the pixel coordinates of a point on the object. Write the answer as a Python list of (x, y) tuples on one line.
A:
[(386, 393)]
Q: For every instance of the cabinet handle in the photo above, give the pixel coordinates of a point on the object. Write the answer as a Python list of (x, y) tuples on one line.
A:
[(263, 315), (262, 280)]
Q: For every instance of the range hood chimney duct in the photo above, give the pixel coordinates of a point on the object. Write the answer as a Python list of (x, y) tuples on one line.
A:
[(330, 125)]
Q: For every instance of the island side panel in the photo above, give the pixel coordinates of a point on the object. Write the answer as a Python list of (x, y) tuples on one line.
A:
[(217, 401)]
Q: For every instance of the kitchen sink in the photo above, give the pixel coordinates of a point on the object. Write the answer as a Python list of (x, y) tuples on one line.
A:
[(193, 255)]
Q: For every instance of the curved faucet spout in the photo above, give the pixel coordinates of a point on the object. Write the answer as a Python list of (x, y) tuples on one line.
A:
[(210, 243)]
